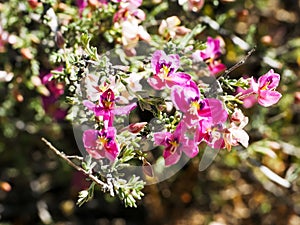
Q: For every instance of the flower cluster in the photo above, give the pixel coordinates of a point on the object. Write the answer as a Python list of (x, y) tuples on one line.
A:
[(202, 119), (128, 18), (110, 85), (102, 143)]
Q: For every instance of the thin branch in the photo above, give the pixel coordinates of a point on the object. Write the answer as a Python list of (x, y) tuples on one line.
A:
[(238, 64), (67, 160), (74, 157)]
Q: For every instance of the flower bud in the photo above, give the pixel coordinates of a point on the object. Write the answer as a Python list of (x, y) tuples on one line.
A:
[(26, 53), (147, 168), (136, 127), (33, 3), (59, 39), (4, 186)]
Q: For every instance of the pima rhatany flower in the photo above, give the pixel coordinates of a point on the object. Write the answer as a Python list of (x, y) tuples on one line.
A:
[(101, 144), (192, 5), (106, 107), (212, 128), (175, 143), (189, 101), (247, 95), (132, 32), (56, 89), (129, 9), (169, 28), (235, 133), (210, 55), (164, 68), (265, 88)]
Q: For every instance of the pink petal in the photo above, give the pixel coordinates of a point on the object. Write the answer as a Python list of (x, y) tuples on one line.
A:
[(90, 144), (136, 3), (89, 105), (160, 138), (175, 60), (124, 110), (178, 79), (267, 98), (155, 59), (270, 79), (213, 108), (190, 150), (179, 99), (112, 151), (217, 68), (156, 82), (171, 158), (140, 14)]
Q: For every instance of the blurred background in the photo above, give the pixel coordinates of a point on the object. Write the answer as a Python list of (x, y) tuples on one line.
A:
[(38, 188)]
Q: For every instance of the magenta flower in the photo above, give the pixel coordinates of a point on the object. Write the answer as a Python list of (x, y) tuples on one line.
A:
[(212, 133), (106, 107), (192, 5), (210, 55), (175, 143), (247, 96), (50, 101), (265, 88), (56, 89), (213, 49), (101, 144), (189, 101), (235, 133), (164, 68), (128, 9), (81, 4)]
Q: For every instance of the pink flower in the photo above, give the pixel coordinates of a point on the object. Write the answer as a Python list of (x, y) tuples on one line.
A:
[(55, 88), (5, 38), (132, 32), (135, 127), (210, 55), (101, 144), (129, 9), (175, 143), (81, 4), (106, 107), (189, 101), (213, 49), (164, 68), (212, 134), (235, 133), (247, 96), (265, 88), (169, 28), (50, 101), (193, 5)]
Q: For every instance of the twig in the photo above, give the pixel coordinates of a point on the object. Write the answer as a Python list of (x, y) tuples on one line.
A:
[(74, 157), (66, 159), (238, 64)]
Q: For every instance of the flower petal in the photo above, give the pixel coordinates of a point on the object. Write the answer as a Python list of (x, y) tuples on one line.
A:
[(124, 110), (171, 158), (90, 144), (88, 104), (156, 82), (160, 138), (179, 78), (190, 150), (267, 98), (270, 80)]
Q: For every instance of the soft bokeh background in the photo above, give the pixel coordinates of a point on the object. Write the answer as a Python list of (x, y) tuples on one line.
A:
[(38, 188)]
